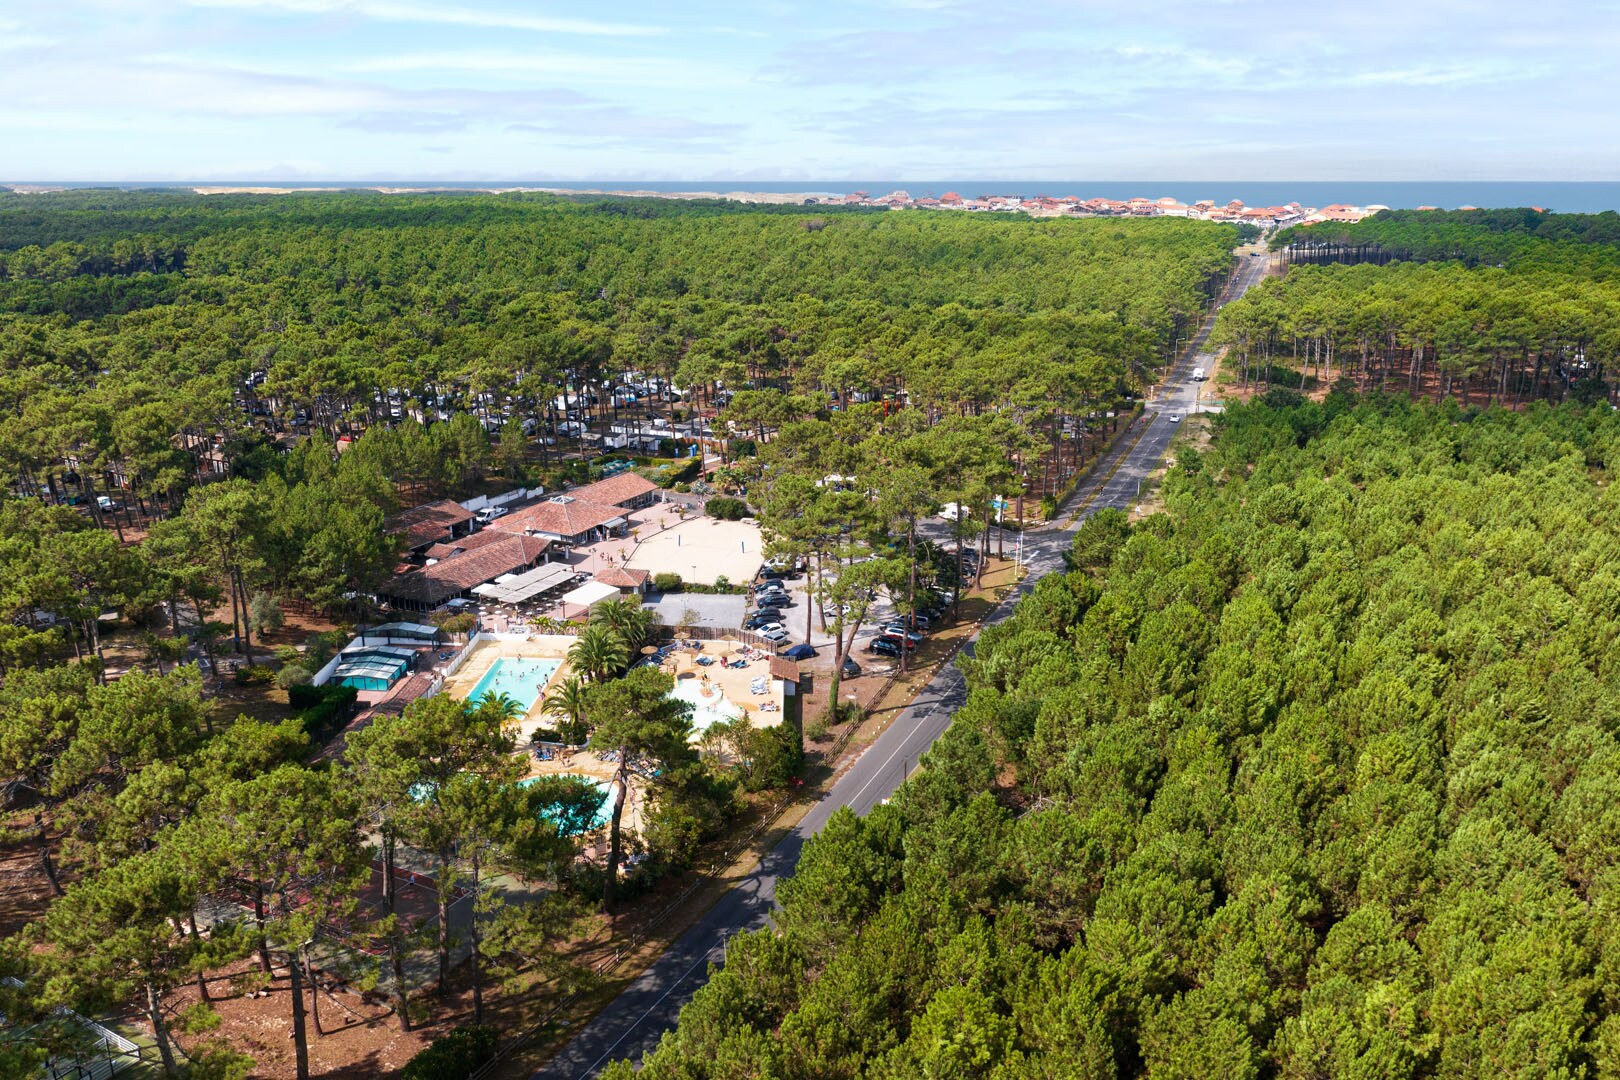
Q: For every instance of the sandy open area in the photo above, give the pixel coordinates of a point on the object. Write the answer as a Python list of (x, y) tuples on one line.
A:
[(777, 198), (702, 550), (736, 683)]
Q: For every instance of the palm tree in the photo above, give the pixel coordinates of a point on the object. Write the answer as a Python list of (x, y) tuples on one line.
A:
[(567, 704), (502, 707), (599, 652), (625, 617)]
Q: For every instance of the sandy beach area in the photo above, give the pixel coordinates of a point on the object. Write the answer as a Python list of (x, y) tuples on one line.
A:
[(772, 197)]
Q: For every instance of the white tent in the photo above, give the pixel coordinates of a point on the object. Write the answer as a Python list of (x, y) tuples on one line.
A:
[(587, 596)]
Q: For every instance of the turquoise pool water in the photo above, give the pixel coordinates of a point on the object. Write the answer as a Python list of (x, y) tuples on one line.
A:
[(604, 789), (708, 707), (520, 680)]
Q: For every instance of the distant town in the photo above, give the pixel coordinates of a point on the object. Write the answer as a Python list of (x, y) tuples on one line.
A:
[(1074, 206)]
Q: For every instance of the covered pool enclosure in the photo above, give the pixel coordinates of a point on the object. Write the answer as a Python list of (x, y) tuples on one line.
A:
[(396, 633), (373, 667)]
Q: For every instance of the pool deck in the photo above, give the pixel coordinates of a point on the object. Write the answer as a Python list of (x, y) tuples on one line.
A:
[(733, 682), (485, 653)]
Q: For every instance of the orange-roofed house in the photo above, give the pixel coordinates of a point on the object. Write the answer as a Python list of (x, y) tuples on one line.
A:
[(430, 523), (629, 582), (565, 519), (627, 490)]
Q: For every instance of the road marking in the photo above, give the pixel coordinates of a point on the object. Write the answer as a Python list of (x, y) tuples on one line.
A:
[(882, 770), (591, 1069)]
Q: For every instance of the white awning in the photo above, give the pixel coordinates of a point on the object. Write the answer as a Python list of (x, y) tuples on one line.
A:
[(520, 587), (589, 595)]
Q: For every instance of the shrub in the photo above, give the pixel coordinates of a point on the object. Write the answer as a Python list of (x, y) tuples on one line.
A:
[(319, 648), (322, 710), (682, 487), (306, 696), (461, 623), (264, 612), (726, 508), (293, 675), (454, 1056), (742, 448), (254, 675), (770, 757), (667, 582)]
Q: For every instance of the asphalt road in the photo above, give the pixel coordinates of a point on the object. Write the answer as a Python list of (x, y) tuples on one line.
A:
[(634, 1022)]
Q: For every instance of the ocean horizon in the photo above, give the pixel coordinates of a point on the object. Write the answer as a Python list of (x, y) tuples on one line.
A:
[(1574, 196)]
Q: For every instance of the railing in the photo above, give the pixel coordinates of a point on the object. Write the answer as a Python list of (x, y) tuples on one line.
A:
[(120, 1052), (719, 633)]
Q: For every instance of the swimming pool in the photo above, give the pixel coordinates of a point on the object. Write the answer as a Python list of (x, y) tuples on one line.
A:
[(603, 787), (709, 706), (520, 680)]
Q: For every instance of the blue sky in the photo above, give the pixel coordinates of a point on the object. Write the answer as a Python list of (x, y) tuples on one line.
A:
[(778, 90)]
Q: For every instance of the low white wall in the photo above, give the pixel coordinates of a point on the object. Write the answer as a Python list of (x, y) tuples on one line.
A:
[(460, 657), (482, 635), (480, 502), (324, 676)]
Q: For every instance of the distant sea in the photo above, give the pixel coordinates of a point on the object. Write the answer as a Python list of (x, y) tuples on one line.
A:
[(1568, 197)]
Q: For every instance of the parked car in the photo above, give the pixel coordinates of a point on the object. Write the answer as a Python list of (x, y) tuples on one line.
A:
[(490, 513), (772, 603), (898, 639), (801, 652), (774, 632), (899, 630), (105, 504), (761, 619), (850, 669), (884, 647)]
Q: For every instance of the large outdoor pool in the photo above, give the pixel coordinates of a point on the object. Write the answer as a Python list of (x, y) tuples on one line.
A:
[(603, 787), (520, 680), (710, 705)]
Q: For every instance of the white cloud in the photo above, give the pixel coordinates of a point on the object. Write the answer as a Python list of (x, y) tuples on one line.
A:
[(448, 14), (19, 42), (558, 66)]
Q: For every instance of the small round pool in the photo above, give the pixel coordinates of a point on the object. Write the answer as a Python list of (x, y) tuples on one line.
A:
[(710, 705), (604, 788)]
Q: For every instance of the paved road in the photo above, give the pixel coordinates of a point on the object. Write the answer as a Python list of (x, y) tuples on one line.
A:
[(634, 1022)]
